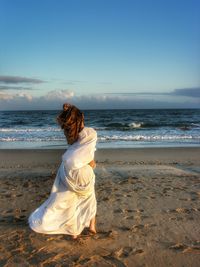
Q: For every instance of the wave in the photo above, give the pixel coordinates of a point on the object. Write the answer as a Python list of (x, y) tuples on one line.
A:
[(148, 138), (123, 126), (117, 126), (148, 125), (135, 125), (114, 126), (195, 125), (49, 129)]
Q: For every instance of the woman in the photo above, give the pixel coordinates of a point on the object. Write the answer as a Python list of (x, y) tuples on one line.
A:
[(71, 205)]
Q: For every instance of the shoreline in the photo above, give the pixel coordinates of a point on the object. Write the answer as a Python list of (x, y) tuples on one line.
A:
[(48, 157)]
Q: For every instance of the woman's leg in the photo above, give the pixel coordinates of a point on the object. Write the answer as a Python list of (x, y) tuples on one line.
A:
[(93, 225)]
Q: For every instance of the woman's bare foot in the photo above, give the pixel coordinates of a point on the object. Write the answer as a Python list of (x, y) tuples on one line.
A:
[(92, 227), (74, 237), (92, 231)]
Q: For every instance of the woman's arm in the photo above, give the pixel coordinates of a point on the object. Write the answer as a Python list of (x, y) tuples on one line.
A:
[(92, 164)]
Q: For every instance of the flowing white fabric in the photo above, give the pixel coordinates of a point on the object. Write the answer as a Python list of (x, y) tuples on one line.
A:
[(72, 202)]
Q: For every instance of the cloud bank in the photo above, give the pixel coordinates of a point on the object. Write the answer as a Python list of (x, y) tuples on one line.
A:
[(18, 79), (18, 88), (179, 98), (189, 92)]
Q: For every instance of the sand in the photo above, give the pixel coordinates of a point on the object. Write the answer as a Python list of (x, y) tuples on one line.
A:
[(148, 209)]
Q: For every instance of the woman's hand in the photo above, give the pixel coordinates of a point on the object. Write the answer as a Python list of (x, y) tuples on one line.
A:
[(92, 164)]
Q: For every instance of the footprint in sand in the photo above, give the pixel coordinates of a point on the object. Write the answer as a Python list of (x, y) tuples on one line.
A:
[(14, 219), (17, 261), (82, 262), (8, 211), (152, 197), (130, 180), (136, 190), (193, 248), (166, 189), (105, 199), (138, 227), (26, 184), (124, 228), (139, 210), (129, 217), (123, 211), (194, 195), (8, 183), (182, 210), (105, 234), (127, 251), (115, 261), (118, 211), (118, 195), (97, 260), (8, 195), (184, 199)]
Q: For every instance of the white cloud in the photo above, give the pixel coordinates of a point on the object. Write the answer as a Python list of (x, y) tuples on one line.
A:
[(4, 96), (24, 96), (15, 97), (59, 95)]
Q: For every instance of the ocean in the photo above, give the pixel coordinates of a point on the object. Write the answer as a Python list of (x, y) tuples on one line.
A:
[(115, 128)]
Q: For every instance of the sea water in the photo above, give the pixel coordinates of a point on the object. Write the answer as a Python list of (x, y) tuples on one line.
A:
[(115, 128)]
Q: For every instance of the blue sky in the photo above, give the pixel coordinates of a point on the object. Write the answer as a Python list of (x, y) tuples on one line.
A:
[(99, 53)]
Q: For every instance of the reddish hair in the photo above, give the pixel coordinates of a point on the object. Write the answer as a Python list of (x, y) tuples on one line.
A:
[(71, 120)]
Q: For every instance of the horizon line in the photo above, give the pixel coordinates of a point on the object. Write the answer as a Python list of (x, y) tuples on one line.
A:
[(100, 109)]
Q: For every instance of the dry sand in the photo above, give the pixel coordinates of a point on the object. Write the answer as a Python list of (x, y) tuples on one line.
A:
[(148, 209)]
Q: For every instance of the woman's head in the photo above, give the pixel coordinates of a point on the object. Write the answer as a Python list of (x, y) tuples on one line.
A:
[(71, 120)]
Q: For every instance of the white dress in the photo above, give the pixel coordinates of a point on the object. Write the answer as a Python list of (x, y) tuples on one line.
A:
[(72, 202)]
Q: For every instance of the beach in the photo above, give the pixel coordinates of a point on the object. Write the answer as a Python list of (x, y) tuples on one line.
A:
[(148, 210)]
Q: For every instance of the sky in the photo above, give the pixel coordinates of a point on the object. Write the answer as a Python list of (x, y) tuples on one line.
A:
[(99, 54)]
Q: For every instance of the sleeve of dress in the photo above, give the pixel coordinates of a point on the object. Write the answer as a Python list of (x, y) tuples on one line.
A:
[(81, 152)]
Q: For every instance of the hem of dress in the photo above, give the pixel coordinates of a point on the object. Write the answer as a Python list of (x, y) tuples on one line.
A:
[(55, 232)]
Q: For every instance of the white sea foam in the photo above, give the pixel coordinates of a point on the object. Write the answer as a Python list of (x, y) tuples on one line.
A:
[(16, 139), (106, 138), (135, 125), (195, 125), (148, 138)]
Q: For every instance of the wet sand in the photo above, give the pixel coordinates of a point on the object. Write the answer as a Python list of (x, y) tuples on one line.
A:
[(148, 209)]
